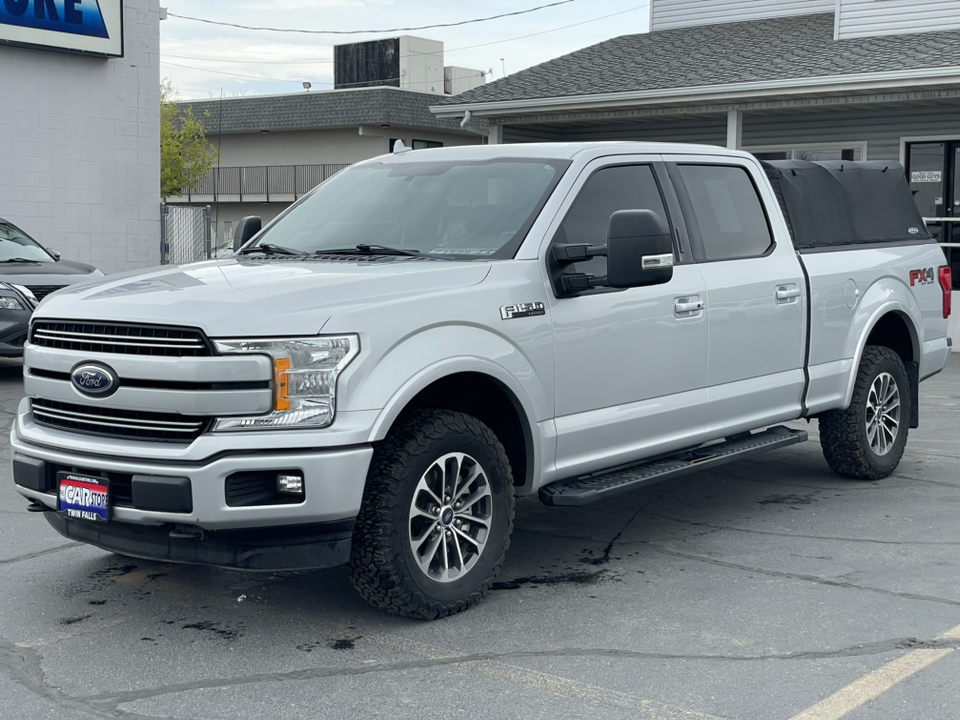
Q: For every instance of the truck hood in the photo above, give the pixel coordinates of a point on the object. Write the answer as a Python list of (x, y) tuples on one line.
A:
[(246, 297)]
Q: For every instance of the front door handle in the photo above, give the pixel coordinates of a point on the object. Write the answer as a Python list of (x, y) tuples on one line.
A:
[(787, 293), (688, 306)]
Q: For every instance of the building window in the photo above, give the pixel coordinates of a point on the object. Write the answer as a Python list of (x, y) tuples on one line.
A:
[(424, 144), (812, 153)]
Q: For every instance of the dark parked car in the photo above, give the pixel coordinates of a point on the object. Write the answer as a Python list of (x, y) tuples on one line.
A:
[(28, 273)]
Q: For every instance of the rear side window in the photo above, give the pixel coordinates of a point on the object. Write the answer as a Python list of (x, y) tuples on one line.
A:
[(727, 211), (623, 187)]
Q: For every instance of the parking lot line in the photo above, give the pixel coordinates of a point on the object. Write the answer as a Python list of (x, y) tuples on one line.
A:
[(874, 684)]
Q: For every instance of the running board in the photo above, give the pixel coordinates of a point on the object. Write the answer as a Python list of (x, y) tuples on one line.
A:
[(589, 488)]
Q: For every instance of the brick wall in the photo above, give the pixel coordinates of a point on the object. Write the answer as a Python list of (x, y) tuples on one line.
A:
[(80, 147)]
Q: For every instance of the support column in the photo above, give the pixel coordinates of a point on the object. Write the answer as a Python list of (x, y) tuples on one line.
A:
[(495, 135), (734, 129)]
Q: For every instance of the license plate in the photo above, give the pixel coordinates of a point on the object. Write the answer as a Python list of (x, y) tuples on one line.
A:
[(83, 497)]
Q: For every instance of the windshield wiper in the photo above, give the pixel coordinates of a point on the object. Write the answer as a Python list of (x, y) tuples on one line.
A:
[(19, 260), (269, 249), (363, 249)]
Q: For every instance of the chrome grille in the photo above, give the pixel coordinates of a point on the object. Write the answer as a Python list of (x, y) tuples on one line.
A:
[(132, 424), (156, 340)]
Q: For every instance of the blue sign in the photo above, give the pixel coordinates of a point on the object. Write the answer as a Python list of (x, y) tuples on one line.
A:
[(76, 17)]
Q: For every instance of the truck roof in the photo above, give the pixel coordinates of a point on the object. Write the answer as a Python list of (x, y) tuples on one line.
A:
[(558, 151)]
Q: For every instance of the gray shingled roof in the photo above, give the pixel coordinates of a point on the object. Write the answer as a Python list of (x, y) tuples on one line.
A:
[(761, 50), (336, 108)]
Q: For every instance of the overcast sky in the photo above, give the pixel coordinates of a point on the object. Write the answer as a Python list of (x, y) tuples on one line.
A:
[(202, 59)]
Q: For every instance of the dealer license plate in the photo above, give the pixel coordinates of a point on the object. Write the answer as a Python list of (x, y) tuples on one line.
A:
[(83, 497)]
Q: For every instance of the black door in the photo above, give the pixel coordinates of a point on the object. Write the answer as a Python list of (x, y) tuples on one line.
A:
[(933, 170)]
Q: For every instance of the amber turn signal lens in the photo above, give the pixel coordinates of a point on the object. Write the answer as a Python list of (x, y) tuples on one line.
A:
[(280, 367)]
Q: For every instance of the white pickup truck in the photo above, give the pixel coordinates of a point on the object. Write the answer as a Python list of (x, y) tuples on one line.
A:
[(383, 369)]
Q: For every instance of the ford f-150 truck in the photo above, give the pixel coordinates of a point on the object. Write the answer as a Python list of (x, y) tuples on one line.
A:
[(384, 368)]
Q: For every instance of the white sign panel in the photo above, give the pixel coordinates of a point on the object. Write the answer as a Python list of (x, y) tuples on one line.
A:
[(85, 26), (932, 176)]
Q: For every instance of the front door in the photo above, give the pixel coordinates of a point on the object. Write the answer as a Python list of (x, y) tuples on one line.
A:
[(630, 364), (933, 171)]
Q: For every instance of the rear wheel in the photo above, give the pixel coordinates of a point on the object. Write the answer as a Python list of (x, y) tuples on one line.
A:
[(436, 516), (866, 441)]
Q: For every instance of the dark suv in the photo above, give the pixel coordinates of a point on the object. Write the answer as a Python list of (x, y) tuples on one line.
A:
[(28, 273)]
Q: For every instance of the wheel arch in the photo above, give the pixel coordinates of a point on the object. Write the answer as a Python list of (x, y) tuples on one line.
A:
[(485, 392), (890, 326)]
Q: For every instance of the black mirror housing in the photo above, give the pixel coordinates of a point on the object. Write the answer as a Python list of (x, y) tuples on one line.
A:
[(639, 249), (246, 228)]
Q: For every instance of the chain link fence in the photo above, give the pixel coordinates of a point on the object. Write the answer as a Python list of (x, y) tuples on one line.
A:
[(185, 234)]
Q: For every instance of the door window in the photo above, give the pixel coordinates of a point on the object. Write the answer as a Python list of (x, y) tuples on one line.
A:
[(727, 212), (624, 187), (927, 177), (933, 170)]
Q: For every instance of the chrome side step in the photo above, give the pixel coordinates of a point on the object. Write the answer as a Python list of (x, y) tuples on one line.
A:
[(589, 488)]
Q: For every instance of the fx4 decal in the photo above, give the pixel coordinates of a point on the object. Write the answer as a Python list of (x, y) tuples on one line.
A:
[(512, 312), (921, 277)]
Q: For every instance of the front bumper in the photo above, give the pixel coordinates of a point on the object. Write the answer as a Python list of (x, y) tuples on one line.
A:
[(299, 547), (312, 533)]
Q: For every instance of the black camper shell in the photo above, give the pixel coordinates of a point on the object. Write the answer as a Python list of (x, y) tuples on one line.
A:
[(837, 204)]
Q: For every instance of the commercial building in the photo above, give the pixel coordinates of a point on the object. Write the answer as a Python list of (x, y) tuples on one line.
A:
[(80, 128), (275, 148)]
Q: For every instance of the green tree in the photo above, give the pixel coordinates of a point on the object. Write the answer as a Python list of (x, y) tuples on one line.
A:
[(186, 156)]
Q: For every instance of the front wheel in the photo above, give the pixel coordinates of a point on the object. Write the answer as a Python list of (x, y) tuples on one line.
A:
[(436, 516), (866, 441)]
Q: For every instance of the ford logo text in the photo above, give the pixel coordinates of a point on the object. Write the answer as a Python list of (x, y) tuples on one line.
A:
[(94, 380)]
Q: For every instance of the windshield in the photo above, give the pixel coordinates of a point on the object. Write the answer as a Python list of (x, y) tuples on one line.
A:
[(14, 244), (454, 209)]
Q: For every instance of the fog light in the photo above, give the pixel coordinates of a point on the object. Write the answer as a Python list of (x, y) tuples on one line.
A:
[(292, 484)]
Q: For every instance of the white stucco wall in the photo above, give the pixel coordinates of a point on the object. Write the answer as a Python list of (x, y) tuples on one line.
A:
[(80, 146)]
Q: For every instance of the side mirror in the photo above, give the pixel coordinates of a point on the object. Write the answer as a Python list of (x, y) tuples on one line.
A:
[(54, 253), (639, 249), (247, 227)]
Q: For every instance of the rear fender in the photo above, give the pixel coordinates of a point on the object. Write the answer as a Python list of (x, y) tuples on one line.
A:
[(887, 295)]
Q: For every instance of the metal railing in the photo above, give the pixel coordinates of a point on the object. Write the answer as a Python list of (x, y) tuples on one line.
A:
[(262, 181)]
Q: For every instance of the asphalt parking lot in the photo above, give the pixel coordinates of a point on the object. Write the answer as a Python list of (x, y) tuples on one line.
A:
[(768, 590)]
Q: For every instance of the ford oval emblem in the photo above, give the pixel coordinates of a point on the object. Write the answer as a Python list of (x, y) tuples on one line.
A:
[(94, 380)]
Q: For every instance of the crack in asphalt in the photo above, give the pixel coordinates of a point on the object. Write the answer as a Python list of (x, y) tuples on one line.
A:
[(107, 705), (23, 666), (694, 523), (41, 553), (795, 576)]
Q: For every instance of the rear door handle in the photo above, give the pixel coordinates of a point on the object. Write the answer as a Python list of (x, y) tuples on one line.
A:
[(688, 306), (787, 293)]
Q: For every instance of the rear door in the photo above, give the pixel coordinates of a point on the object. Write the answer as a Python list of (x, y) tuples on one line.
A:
[(630, 364), (755, 294)]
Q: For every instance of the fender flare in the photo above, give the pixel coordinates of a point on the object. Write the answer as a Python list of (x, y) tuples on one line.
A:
[(448, 367), (891, 306)]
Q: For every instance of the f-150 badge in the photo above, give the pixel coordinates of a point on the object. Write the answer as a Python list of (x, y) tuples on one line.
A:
[(922, 277), (512, 312)]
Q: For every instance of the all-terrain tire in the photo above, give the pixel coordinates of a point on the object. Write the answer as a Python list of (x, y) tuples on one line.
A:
[(387, 566), (844, 436)]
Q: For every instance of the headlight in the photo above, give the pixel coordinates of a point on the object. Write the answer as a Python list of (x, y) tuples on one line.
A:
[(26, 292), (305, 382), (10, 303)]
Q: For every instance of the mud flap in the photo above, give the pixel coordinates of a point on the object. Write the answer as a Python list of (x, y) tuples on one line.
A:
[(913, 378)]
